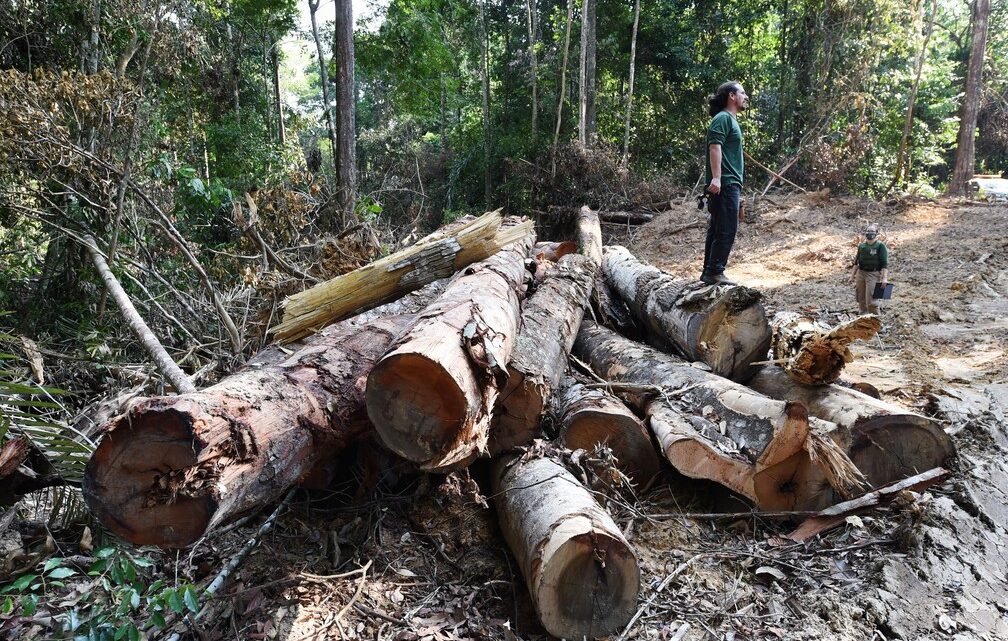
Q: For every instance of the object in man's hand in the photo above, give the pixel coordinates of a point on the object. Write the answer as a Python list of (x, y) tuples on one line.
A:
[(883, 292), (741, 211)]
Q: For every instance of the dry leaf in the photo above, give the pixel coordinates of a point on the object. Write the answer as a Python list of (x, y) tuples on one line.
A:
[(34, 357), (85, 541)]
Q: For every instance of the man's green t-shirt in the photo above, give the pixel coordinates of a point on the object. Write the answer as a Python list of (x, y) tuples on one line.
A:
[(873, 257), (724, 130)]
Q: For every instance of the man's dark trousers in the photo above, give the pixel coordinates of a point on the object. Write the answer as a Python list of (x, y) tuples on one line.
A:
[(721, 229)]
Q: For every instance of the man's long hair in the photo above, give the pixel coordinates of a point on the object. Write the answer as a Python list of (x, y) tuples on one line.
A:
[(719, 100)]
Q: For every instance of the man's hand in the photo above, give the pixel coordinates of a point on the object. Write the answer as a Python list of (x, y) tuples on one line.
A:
[(715, 186), (741, 211)]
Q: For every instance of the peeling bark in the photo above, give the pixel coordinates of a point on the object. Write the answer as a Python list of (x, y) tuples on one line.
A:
[(814, 353)]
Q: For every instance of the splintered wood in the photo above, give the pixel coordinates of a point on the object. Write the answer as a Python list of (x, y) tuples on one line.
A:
[(438, 255), (813, 353)]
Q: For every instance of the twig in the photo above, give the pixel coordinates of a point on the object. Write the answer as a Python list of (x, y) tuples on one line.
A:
[(647, 604), (717, 516), (344, 609), (363, 609), (680, 633), (771, 171), (237, 560)]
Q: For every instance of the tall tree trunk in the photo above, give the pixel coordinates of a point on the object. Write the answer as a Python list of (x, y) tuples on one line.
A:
[(485, 78), (313, 6), (902, 172), (275, 59), (92, 59), (586, 124), (235, 68), (563, 82), (629, 100), (346, 101), (532, 20), (966, 150)]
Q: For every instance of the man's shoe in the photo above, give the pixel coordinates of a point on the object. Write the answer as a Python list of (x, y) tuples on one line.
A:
[(708, 279), (721, 279)]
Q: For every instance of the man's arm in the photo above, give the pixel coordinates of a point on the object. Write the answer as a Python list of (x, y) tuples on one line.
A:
[(715, 168)]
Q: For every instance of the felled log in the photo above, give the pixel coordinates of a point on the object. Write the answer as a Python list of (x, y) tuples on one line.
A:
[(24, 469), (431, 396), (588, 417), (813, 353), (549, 322), (617, 217), (588, 234), (724, 326), (887, 442), (438, 255), (172, 468), (710, 427), (581, 573)]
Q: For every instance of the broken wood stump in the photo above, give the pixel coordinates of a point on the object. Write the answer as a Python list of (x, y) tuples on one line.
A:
[(812, 352), (724, 326), (581, 573), (431, 396), (887, 442)]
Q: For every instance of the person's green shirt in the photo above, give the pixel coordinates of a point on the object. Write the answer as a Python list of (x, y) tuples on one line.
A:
[(872, 257), (724, 130)]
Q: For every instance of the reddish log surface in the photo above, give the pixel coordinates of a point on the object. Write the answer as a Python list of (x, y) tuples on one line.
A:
[(172, 468)]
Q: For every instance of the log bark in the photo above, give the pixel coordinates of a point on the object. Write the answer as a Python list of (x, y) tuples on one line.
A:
[(813, 353), (581, 573), (171, 469), (724, 326), (436, 256), (708, 426), (588, 417), (432, 395), (549, 322), (887, 442), (24, 469)]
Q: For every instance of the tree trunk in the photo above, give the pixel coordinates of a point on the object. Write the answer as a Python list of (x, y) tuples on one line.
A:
[(900, 174), (563, 84), (278, 103), (586, 105), (724, 326), (966, 149), (313, 6), (589, 417), (588, 235), (532, 20), (485, 79), (235, 68), (431, 396), (629, 104), (581, 573), (171, 469), (549, 322), (707, 426), (346, 102), (887, 443), (438, 255), (812, 352)]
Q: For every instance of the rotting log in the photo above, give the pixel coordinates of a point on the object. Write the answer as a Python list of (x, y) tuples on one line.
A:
[(591, 416), (436, 256), (581, 573), (172, 468), (813, 353), (887, 442), (724, 326), (549, 322), (710, 427), (431, 396)]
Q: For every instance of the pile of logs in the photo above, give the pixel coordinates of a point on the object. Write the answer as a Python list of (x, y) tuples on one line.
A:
[(450, 369)]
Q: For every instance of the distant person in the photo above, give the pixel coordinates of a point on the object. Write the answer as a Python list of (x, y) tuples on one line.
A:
[(871, 266), (725, 168)]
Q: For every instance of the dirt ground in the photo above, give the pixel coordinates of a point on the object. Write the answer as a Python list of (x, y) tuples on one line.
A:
[(425, 562)]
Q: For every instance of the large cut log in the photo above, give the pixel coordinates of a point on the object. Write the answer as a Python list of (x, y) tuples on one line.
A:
[(588, 234), (436, 256), (589, 416), (812, 352), (172, 468), (710, 427), (887, 442), (549, 322), (582, 574), (431, 397), (724, 326)]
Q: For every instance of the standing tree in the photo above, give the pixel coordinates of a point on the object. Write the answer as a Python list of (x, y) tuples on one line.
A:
[(485, 77), (313, 6), (966, 150), (586, 124), (346, 100), (629, 100), (902, 172), (533, 26), (278, 102), (563, 82)]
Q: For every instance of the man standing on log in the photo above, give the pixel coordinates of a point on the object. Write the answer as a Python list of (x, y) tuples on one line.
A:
[(725, 167), (871, 266)]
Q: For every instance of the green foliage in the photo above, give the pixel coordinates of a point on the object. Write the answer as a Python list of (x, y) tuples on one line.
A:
[(116, 599)]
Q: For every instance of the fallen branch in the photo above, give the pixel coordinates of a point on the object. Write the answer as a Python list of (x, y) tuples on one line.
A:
[(771, 171)]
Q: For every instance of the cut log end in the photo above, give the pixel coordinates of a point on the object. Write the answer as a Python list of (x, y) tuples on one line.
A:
[(733, 336), (418, 402), (589, 587), (623, 434), (897, 446), (129, 483)]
